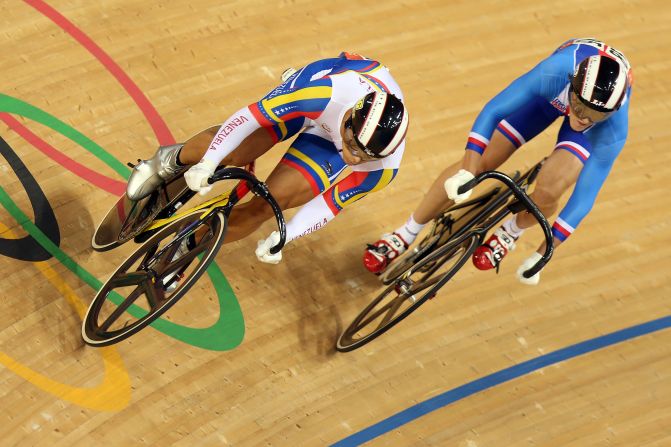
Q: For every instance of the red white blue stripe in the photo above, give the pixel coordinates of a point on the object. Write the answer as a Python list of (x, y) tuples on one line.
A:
[(561, 230), (477, 142), (511, 133), (574, 148)]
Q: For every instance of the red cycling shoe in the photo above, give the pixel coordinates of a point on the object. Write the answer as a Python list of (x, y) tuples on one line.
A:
[(379, 255), (490, 254)]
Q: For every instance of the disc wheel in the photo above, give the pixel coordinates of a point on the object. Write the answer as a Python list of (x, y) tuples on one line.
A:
[(159, 273), (407, 292)]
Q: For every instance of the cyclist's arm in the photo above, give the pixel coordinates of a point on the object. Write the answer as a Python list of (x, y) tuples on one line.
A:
[(323, 208), (282, 104), (543, 80)]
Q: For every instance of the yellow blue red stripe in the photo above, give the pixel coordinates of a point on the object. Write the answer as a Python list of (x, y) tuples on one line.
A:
[(284, 104), (309, 165), (355, 186), (376, 83), (316, 158)]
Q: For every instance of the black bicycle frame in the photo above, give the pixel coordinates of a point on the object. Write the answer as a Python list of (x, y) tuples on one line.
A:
[(527, 204), (248, 183), (258, 188)]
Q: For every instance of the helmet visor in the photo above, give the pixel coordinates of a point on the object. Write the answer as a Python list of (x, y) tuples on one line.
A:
[(583, 110)]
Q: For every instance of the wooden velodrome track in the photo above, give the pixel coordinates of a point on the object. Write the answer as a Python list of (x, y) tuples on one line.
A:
[(490, 362)]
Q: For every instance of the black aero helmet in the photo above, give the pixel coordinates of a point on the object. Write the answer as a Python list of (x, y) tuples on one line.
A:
[(600, 82), (379, 122)]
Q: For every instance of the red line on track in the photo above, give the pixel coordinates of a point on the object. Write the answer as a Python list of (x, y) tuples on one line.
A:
[(110, 185), (155, 121)]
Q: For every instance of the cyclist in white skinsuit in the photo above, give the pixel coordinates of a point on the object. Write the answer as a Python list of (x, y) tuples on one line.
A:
[(348, 114)]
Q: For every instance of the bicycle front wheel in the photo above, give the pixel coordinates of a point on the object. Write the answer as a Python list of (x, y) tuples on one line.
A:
[(407, 292), (117, 312)]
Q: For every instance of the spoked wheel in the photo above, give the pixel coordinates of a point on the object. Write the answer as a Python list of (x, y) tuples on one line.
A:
[(407, 292), (159, 273)]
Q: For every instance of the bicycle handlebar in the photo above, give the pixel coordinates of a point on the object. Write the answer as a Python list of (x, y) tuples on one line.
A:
[(530, 207), (260, 189)]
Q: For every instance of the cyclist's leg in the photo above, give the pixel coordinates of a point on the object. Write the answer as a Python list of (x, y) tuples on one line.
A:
[(306, 170), (251, 148), (435, 200), (518, 128), (511, 133), (559, 172), (171, 161)]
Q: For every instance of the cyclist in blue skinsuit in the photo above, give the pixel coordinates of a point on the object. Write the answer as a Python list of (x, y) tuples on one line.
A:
[(584, 81)]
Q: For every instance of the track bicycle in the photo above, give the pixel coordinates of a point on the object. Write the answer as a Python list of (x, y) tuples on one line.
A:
[(176, 249), (453, 237)]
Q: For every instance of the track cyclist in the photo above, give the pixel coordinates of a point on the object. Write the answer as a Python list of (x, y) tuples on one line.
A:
[(586, 82), (347, 112)]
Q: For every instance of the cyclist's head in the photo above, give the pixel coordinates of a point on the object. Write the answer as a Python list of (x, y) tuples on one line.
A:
[(600, 82), (379, 122)]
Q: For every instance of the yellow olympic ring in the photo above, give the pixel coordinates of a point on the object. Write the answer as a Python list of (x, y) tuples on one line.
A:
[(112, 394)]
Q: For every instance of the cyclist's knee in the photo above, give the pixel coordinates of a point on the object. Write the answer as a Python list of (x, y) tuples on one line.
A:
[(258, 210), (235, 159), (487, 164), (547, 197), (484, 166)]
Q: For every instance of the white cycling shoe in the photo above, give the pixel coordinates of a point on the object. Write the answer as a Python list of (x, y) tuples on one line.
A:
[(148, 174)]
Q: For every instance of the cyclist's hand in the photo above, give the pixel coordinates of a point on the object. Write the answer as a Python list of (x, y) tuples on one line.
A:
[(453, 183), (196, 176), (526, 265), (264, 246)]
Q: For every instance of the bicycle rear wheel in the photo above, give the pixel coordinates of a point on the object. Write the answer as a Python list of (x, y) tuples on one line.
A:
[(407, 292), (115, 313), (128, 218)]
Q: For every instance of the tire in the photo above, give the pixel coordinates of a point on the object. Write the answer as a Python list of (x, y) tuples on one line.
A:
[(127, 219), (114, 302), (124, 220), (407, 292)]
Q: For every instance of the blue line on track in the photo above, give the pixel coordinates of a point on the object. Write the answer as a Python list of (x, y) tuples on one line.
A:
[(497, 378)]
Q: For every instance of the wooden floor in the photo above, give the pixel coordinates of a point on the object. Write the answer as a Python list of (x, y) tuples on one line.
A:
[(88, 86)]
